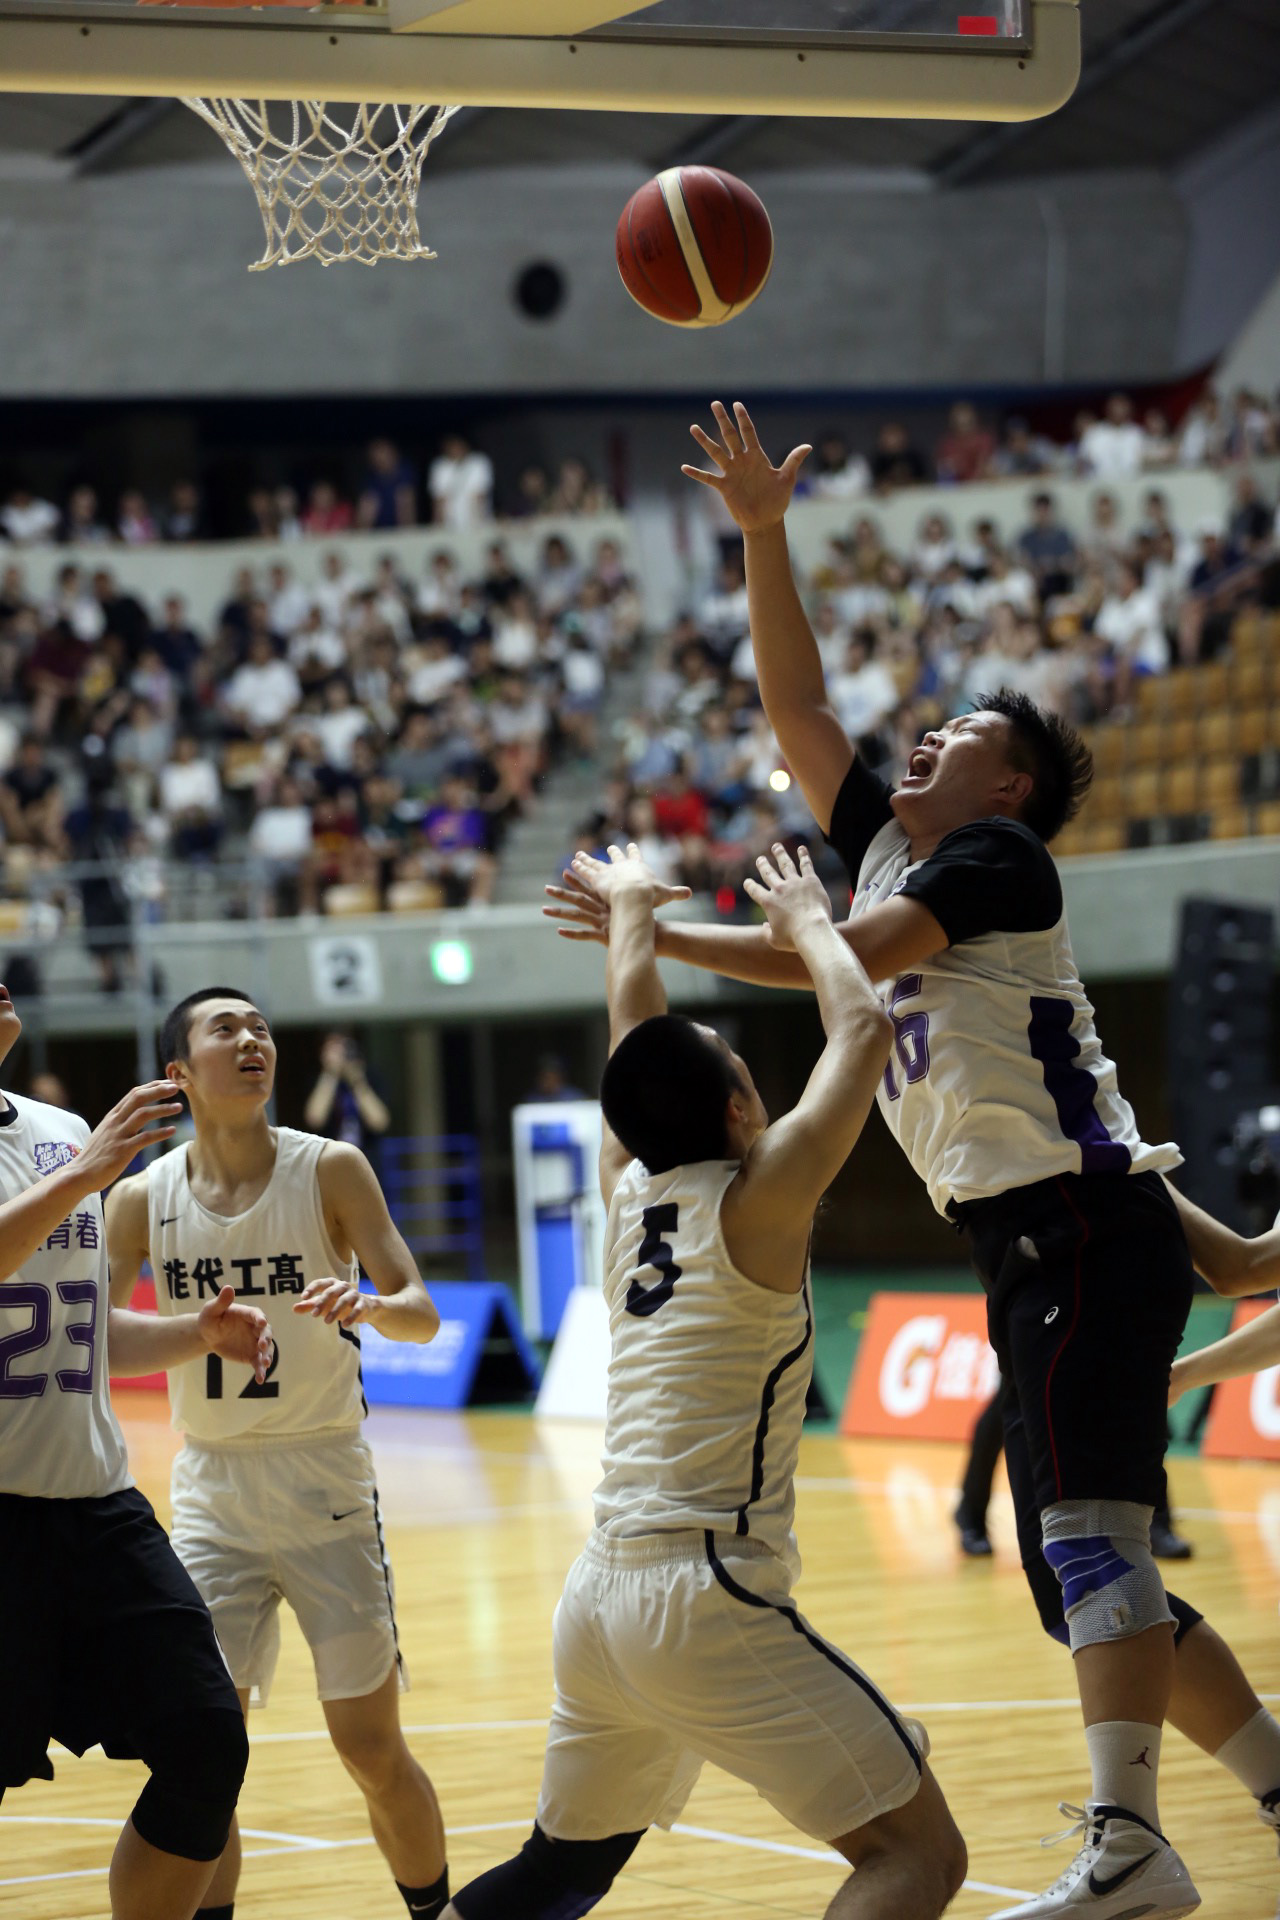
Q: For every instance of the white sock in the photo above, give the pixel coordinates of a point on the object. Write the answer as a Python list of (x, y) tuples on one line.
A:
[(1253, 1754), (1125, 1758)]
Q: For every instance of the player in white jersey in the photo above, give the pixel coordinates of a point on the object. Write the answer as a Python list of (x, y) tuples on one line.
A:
[(999, 1092), (676, 1640), (273, 1491), (86, 1573)]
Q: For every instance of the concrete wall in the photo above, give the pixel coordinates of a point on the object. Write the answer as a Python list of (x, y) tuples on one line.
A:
[(1231, 193), (133, 283)]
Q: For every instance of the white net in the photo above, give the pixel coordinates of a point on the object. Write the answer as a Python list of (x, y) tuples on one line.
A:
[(333, 182)]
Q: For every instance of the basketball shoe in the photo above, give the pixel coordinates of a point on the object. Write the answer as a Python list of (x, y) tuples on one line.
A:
[(1124, 1869)]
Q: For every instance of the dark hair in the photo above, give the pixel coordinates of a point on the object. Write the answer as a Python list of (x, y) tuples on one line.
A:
[(175, 1034), (664, 1091), (1043, 745)]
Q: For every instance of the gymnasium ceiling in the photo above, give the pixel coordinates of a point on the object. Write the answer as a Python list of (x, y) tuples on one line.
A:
[(1160, 82)]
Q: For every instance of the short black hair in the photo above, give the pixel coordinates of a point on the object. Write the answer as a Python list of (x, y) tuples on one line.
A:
[(1052, 752), (175, 1034), (664, 1091)]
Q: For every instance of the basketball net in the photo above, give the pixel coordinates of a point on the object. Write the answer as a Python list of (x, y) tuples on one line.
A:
[(331, 188)]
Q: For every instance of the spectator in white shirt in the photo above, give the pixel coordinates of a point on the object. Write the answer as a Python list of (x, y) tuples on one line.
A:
[(838, 473), (337, 587), (191, 800), (935, 547), (439, 593), (1204, 433), (863, 693), (73, 602), (518, 718), (515, 634), (433, 668), (559, 576), (340, 725), (1113, 448), (140, 750), (280, 838), (316, 650), (262, 693), (722, 616), (288, 602), (26, 520), (461, 484), (1129, 621)]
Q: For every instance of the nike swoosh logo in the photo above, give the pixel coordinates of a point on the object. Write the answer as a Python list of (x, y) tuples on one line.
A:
[(347, 1515), (169, 1222), (1118, 1879)]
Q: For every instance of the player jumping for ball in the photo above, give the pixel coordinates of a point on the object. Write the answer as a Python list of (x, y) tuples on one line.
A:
[(1001, 1096), (676, 1640), (106, 1639), (273, 1491)]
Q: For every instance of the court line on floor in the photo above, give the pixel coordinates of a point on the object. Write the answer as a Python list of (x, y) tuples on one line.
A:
[(304, 1843)]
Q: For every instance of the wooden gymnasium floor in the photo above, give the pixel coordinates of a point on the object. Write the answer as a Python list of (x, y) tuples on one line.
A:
[(484, 1513)]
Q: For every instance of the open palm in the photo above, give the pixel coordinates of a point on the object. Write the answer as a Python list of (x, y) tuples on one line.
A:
[(756, 493)]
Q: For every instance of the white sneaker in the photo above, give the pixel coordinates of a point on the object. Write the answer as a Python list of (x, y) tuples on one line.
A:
[(1269, 1814), (1124, 1870)]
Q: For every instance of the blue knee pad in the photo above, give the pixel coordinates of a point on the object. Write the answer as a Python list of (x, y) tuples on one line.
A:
[(548, 1879), (197, 1763), (1100, 1551)]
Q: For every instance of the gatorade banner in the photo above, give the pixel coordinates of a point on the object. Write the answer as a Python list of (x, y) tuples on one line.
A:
[(1244, 1414), (924, 1368)]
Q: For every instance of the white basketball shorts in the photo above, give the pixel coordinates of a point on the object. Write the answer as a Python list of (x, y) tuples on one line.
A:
[(292, 1519), (678, 1648)]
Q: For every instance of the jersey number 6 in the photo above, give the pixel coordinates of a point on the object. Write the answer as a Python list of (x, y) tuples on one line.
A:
[(910, 1036)]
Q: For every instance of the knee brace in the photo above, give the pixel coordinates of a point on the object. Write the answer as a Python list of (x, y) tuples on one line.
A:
[(1101, 1552), (197, 1764), (548, 1879)]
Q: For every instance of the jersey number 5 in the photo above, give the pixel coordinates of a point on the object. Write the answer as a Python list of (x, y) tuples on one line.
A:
[(655, 1252), (910, 1036)]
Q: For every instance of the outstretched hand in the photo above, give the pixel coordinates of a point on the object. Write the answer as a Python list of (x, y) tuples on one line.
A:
[(791, 896), (591, 886), (237, 1332), (755, 493)]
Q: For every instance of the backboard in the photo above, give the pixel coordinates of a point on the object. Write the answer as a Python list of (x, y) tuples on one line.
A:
[(902, 59)]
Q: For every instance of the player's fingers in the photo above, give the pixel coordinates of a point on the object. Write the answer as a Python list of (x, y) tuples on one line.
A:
[(786, 866), (756, 891), (728, 432), (707, 479), (746, 427), (669, 893), (794, 461), (806, 864), (617, 857), (712, 449), (583, 933)]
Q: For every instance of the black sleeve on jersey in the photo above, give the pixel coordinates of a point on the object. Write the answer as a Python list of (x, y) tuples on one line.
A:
[(861, 809), (994, 876)]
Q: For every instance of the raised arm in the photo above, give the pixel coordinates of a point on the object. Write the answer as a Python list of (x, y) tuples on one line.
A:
[(768, 1209), (1249, 1349), (142, 1118), (627, 893), (810, 733), (128, 1236), (356, 1215), (1233, 1265)]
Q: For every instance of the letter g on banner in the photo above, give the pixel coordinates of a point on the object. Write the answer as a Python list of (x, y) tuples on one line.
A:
[(907, 1370)]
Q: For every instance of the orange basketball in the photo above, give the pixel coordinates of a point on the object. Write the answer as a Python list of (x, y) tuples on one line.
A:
[(694, 246)]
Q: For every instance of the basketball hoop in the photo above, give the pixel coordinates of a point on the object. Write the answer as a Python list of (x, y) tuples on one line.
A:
[(332, 183)]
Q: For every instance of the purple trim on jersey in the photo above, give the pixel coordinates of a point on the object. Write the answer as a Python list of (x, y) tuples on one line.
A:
[(1072, 1089)]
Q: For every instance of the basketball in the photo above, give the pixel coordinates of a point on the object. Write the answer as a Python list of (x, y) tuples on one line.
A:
[(694, 246)]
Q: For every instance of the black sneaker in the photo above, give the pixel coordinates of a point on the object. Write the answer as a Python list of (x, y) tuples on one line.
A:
[(1168, 1545), (973, 1537)]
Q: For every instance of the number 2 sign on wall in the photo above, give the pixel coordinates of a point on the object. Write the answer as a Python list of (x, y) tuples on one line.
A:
[(346, 970)]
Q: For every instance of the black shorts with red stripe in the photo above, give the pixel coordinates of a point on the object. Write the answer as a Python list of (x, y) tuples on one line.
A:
[(1089, 1282)]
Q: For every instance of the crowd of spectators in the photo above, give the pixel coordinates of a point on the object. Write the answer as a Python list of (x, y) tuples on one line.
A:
[(458, 487), (458, 490), (912, 638), (375, 732)]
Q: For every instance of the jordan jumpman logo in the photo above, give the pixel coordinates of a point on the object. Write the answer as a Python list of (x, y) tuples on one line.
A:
[(1142, 1760)]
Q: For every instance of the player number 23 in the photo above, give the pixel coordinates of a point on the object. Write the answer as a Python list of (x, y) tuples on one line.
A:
[(38, 1302)]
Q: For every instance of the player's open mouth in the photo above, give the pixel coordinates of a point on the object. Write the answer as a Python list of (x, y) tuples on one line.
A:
[(919, 767), (253, 1066)]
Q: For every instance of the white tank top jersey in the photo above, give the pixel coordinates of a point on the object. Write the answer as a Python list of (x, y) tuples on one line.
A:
[(58, 1436), (708, 1371), (268, 1254), (997, 1077)]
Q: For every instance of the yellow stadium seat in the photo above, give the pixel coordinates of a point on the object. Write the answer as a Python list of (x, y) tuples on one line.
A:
[(1151, 694), (1181, 786), (1253, 729), (1249, 679), (353, 897), (1220, 782), (1267, 817), (1229, 823), (1181, 692), (1109, 746), (1105, 836), (1107, 800), (1142, 793), (1180, 740), (1212, 686), (1146, 743), (415, 896), (1217, 731)]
